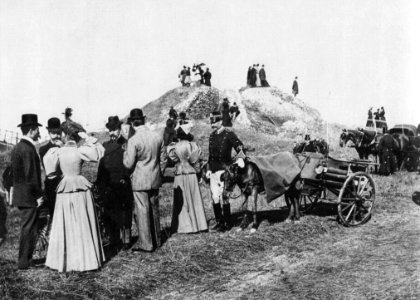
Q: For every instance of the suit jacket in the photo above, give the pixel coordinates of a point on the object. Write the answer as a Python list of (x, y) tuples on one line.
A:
[(26, 168), (262, 74), (146, 157), (44, 149)]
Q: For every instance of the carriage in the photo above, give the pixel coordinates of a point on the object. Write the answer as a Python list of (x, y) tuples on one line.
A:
[(345, 183)]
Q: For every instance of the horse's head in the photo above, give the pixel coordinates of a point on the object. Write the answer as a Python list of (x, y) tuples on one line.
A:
[(230, 178), (355, 136), (343, 138)]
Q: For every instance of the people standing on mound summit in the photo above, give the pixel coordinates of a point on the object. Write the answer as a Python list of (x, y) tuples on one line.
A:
[(263, 77), (256, 76), (207, 77)]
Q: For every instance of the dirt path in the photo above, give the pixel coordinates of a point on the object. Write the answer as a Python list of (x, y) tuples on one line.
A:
[(378, 260)]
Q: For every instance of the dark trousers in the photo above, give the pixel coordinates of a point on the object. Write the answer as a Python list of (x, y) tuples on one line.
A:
[(146, 214), (28, 235), (51, 194), (3, 217)]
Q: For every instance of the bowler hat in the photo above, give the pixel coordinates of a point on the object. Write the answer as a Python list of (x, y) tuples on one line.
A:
[(135, 114), (28, 120), (113, 123), (54, 125)]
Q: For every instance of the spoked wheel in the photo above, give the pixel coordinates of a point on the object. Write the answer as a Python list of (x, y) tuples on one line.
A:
[(356, 199), (307, 201)]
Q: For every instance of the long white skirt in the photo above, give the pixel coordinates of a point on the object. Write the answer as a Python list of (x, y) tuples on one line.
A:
[(75, 243)]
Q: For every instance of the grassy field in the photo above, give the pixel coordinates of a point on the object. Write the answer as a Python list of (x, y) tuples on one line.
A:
[(315, 259)]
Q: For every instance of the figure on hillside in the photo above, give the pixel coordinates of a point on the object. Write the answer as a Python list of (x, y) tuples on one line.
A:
[(182, 75), (53, 177), (207, 77), (3, 214), (248, 76), (75, 242), (199, 68), (187, 81), (221, 143), (188, 210), (387, 148), (295, 87), (234, 112), (26, 169), (113, 180), (257, 74), (173, 114), (182, 118), (263, 77), (226, 118), (382, 114), (369, 122), (169, 134), (146, 156), (254, 76)]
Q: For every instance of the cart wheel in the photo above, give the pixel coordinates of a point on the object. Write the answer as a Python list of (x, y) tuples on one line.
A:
[(356, 199), (308, 201)]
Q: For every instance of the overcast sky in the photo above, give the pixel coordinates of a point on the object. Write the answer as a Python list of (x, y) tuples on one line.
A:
[(105, 57)]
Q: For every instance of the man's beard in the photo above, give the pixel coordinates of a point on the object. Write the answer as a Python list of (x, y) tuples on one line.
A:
[(114, 137)]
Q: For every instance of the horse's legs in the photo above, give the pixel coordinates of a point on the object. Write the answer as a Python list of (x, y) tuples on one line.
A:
[(245, 220), (255, 196), (290, 206)]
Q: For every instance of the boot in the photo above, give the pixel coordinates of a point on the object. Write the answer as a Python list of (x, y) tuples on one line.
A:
[(227, 222), (217, 216)]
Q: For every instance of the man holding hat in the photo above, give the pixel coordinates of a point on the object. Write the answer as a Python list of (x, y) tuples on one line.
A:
[(115, 187), (53, 177), (146, 157), (221, 143), (26, 168)]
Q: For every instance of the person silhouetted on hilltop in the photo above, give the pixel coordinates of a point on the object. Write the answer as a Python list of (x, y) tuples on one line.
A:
[(263, 77), (295, 87), (207, 77), (369, 122), (182, 75), (248, 77)]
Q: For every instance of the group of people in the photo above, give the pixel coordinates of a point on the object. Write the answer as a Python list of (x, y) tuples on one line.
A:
[(129, 176), (378, 116), (186, 72), (256, 76)]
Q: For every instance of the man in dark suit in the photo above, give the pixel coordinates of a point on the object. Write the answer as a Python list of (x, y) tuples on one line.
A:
[(52, 178), (26, 168), (114, 185), (254, 76)]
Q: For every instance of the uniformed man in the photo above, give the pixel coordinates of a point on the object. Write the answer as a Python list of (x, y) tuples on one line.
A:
[(114, 185), (221, 143)]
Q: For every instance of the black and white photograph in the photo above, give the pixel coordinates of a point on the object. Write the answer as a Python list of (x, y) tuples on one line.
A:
[(214, 149)]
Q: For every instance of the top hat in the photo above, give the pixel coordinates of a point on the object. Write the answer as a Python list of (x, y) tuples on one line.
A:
[(307, 137), (54, 124), (28, 120), (135, 114), (113, 123)]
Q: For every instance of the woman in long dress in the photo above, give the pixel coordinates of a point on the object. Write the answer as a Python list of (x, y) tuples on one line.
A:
[(75, 243), (188, 210)]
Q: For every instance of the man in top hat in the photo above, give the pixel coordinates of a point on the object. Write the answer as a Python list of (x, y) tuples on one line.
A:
[(221, 143), (146, 157), (115, 187), (26, 168), (53, 178)]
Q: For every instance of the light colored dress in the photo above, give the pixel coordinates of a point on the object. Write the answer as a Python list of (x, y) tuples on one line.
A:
[(75, 243), (188, 210)]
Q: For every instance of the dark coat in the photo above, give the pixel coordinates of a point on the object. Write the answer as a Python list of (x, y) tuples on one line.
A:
[(262, 75), (220, 149), (295, 87), (207, 77), (26, 168)]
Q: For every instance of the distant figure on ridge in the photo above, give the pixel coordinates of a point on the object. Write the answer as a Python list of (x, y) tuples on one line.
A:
[(253, 76), (369, 122), (263, 77), (234, 112), (257, 74), (248, 76), (173, 114), (382, 114), (182, 118), (295, 87), (188, 77), (207, 77), (182, 75)]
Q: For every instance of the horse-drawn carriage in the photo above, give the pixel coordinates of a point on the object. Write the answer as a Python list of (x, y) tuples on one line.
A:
[(304, 179), (348, 181)]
